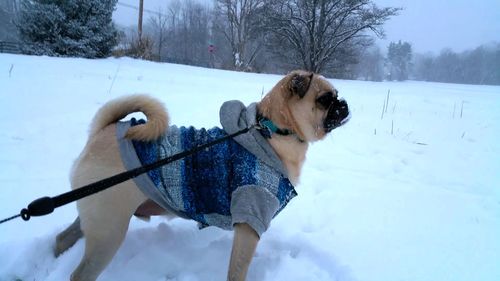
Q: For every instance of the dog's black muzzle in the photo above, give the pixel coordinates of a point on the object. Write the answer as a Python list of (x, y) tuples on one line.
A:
[(338, 115)]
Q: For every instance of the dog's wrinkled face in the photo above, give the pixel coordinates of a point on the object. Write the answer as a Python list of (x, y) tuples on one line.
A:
[(315, 105)]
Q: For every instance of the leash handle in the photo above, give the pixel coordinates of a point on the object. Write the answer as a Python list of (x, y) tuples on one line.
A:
[(39, 207)]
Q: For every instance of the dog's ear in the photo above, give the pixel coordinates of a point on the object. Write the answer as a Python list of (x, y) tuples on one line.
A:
[(299, 83)]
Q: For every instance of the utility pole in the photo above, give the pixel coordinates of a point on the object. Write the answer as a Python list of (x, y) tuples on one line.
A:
[(139, 28)]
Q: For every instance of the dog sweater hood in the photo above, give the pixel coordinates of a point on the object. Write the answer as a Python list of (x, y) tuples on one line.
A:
[(234, 116), (241, 180)]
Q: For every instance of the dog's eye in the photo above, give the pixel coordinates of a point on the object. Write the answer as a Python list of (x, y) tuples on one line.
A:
[(325, 100)]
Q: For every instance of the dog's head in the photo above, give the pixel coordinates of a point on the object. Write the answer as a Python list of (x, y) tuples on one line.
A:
[(307, 104)]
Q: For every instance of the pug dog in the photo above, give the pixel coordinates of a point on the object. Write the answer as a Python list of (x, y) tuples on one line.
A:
[(240, 184)]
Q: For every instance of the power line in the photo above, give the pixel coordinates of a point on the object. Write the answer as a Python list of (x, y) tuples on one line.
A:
[(137, 9)]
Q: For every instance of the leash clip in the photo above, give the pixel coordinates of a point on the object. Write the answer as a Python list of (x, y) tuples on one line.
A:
[(264, 129)]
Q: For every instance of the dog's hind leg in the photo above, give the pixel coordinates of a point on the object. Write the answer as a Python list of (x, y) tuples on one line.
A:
[(105, 216), (68, 237), (104, 222)]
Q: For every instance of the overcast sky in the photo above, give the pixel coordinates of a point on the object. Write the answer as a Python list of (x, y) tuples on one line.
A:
[(429, 25)]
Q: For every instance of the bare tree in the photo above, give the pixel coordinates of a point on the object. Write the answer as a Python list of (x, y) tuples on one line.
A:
[(239, 21), (182, 32), (371, 65), (314, 32), (159, 29), (8, 10)]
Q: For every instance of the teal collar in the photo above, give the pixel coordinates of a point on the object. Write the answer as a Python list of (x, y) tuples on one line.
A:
[(267, 128)]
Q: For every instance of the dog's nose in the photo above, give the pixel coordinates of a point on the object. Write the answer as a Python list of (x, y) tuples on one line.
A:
[(345, 114), (337, 115)]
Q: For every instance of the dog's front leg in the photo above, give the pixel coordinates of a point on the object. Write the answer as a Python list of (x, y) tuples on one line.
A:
[(244, 244)]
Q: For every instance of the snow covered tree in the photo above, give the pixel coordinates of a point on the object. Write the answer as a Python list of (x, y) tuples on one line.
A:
[(399, 59), (313, 34), (79, 28)]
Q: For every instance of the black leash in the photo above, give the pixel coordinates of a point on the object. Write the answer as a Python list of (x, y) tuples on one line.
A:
[(46, 205), (9, 219)]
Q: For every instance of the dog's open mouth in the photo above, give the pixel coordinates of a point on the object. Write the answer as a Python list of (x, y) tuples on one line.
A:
[(338, 115)]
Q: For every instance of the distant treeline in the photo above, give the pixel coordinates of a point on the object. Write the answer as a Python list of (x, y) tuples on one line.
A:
[(478, 66)]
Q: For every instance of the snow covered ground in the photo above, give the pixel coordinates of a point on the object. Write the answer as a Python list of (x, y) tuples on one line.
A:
[(413, 195)]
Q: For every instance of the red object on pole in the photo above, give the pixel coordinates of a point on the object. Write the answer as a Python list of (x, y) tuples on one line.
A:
[(211, 48)]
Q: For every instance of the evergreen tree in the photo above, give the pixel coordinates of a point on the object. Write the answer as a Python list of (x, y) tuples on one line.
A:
[(80, 28), (399, 59)]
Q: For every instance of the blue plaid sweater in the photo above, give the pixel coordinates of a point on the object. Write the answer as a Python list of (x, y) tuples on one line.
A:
[(219, 186)]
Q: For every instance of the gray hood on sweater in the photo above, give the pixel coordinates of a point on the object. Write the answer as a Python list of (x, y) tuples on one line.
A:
[(234, 116)]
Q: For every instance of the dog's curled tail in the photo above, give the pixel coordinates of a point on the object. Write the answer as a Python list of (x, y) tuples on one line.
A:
[(117, 109)]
